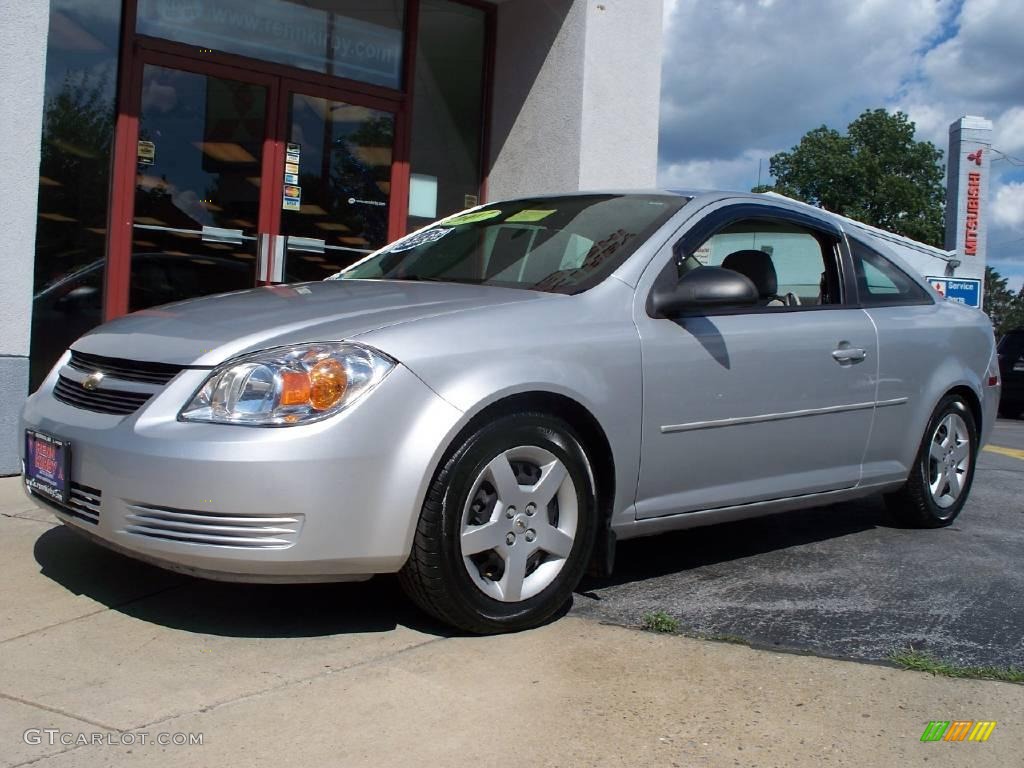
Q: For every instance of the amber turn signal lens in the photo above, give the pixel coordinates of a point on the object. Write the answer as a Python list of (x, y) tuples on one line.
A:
[(294, 388), (328, 382)]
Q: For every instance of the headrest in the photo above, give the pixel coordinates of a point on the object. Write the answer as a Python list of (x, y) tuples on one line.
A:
[(756, 265)]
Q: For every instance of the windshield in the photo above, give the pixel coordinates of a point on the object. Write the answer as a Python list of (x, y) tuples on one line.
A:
[(558, 244)]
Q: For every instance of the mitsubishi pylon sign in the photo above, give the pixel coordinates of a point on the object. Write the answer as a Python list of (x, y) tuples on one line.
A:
[(967, 182)]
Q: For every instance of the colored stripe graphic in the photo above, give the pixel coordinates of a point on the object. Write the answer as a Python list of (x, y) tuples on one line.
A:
[(982, 730), (958, 730)]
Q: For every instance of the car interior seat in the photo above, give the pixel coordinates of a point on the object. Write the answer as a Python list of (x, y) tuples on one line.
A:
[(758, 266)]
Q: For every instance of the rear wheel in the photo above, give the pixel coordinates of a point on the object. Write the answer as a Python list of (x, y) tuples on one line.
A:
[(940, 481), (507, 527)]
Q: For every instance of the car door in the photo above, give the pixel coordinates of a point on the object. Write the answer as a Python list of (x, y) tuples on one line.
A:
[(912, 337), (751, 404)]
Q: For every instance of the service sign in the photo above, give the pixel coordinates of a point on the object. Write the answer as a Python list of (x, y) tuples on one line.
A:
[(963, 290)]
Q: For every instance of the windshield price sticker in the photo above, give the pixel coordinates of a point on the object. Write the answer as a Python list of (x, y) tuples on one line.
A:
[(471, 218), (526, 217)]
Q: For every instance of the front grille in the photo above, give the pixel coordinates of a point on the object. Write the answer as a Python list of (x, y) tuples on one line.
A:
[(126, 370), (100, 400), (83, 503), (213, 528)]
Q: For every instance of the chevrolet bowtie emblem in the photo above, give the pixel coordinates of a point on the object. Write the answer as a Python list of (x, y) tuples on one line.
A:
[(92, 381)]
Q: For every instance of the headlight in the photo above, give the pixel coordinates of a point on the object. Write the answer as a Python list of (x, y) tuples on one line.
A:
[(290, 385)]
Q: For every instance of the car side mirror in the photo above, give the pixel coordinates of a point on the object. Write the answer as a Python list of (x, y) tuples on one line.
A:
[(705, 288)]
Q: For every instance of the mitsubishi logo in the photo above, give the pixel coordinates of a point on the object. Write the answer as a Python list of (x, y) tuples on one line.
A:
[(975, 157), (92, 381)]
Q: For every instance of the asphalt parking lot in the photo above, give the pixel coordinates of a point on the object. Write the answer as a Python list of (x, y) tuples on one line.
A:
[(844, 581)]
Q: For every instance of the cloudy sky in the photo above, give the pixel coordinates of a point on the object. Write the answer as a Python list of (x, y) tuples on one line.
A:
[(744, 79)]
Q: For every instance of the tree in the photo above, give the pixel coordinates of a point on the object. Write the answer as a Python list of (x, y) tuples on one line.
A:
[(876, 172), (1004, 308)]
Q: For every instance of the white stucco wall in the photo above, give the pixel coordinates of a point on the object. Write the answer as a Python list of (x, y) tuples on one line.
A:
[(576, 96), (537, 97), (621, 94), (22, 74)]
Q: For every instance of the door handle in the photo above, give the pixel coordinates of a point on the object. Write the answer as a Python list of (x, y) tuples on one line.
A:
[(221, 235), (307, 244), (849, 354)]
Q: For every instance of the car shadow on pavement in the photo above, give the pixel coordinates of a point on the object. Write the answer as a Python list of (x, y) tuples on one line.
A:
[(680, 551), (198, 605)]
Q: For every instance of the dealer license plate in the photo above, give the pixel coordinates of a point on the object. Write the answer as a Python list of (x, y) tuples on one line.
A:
[(47, 461)]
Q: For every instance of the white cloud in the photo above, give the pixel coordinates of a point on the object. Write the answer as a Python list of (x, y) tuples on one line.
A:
[(976, 71), (1008, 205), (737, 173), (738, 74), (1009, 130), (743, 79), (980, 64)]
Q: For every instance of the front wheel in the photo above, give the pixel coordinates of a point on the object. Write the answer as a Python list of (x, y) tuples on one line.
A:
[(940, 481), (507, 527)]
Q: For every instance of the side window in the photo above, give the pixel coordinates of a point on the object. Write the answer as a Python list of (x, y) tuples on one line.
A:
[(882, 283), (791, 266)]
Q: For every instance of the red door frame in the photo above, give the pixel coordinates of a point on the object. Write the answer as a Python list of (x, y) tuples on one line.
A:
[(139, 50)]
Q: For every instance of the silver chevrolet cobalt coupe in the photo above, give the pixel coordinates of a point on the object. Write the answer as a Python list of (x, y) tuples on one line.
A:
[(487, 405)]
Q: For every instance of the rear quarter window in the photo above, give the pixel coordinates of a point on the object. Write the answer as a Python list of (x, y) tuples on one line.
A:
[(880, 283)]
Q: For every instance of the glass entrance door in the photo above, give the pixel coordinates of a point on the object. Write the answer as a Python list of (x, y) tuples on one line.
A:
[(337, 176), (243, 178), (198, 186)]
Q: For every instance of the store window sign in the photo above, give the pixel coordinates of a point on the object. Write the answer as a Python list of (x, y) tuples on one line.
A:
[(146, 152), (283, 32)]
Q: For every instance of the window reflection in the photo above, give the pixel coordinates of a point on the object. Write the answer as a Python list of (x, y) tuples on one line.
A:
[(200, 145), (74, 176), (344, 157), (348, 38), (448, 109)]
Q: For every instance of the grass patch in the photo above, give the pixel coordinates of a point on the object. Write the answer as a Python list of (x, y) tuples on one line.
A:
[(910, 658), (659, 621)]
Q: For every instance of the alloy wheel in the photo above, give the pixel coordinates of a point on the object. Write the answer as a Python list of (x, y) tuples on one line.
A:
[(949, 459), (519, 523)]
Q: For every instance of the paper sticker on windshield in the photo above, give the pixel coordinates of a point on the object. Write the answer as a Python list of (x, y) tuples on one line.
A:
[(526, 217), (420, 238), (471, 218)]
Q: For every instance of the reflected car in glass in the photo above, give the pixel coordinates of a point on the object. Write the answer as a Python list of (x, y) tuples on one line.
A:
[(489, 404)]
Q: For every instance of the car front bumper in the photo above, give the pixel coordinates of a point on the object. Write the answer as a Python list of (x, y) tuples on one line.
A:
[(330, 500)]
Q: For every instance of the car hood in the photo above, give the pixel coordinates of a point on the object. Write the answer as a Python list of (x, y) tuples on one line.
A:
[(209, 330)]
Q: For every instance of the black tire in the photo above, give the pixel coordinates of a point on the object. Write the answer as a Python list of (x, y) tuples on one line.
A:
[(435, 576), (913, 504)]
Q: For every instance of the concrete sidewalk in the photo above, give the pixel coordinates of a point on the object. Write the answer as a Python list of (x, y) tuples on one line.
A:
[(351, 675)]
